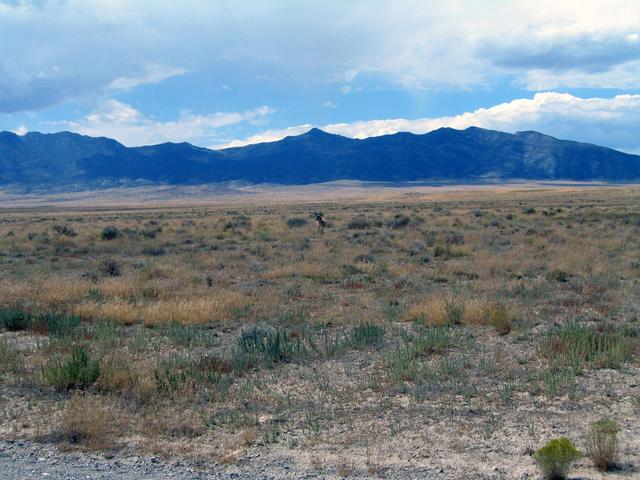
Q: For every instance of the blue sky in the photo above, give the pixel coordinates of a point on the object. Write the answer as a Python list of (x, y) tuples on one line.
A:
[(223, 73)]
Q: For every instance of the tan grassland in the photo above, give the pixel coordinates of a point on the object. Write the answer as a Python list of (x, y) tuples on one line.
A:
[(456, 327)]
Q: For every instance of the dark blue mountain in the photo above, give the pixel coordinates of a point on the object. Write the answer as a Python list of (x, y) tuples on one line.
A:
[(68, 159)]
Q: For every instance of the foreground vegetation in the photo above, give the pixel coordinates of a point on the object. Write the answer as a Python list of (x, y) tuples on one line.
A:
[(463, 331)]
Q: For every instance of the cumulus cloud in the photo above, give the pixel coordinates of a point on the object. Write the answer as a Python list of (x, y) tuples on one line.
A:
[(131, 127), (61, 50), (606, 121)]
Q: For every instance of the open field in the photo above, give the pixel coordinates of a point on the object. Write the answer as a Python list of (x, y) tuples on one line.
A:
[(424, 334)]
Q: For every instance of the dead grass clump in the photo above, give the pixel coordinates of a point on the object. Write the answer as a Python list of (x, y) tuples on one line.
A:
[(219, 306), (602, 443), (498, 317), (437, 311), (86, 421), (120, 311)]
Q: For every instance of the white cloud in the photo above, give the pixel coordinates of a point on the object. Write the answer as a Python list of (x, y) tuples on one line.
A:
[(606, 121), (80, 47), (21, 130), (150, 73), (131, 127), (330, 104)]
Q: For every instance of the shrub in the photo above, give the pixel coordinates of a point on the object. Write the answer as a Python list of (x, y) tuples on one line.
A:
[(111, 268), (154, 251), (361, 223), (85, 421), (176, 374), (57, 324), (454, 311), (529, 210), (556, 457), (365, 334), (454, 238), (499, 319), (558, 276), (8, 357), (110, 233), (79, 371), (575, 345), (398, 221), (602, 443), (65, 230), (268, 346), (296, 222), (116, 375), (15, 320)]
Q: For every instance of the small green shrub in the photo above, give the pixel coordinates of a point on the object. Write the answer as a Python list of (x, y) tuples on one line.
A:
[(556, 458), (604, 346), (110, 233), (364, 335), (269, 346), (602, 443), (15, 320), (78, 371), (296, 222), (56, 324)]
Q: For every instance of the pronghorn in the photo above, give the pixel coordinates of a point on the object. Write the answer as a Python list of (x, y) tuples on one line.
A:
[(320, 221)]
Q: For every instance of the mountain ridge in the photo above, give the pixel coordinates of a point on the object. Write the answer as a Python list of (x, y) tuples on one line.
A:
[(68, 158)]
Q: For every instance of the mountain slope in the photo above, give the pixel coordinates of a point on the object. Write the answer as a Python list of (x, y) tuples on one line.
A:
[(66, 158)]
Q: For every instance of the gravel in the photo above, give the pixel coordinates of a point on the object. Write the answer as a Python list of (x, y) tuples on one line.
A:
[(23, 459)]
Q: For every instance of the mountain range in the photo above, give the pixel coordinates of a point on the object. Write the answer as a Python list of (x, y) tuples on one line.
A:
[(71, 160)]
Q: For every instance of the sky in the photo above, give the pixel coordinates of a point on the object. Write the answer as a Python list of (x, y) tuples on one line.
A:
[(221, 73)]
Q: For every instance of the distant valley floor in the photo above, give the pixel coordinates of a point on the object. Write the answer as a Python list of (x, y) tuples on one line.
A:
[(234, 194)]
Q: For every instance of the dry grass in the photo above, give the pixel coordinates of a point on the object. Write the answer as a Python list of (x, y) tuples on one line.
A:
[(427, 326), (87, 422)]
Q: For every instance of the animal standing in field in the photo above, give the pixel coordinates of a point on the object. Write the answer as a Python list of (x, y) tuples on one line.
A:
[(320, 221)]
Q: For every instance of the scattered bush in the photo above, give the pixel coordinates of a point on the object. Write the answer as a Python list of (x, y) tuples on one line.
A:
[(268, 346), (529, 210), (184, 374), (110, 268), (558, 276), (57, 324), (498, 317), (365, 334), (602, 443), (110, 233), (362, 223), (454, 238), (85, 421), (65, 230), (556, 457), (78, 371), (154, 251), (296, 222), (15, 320), (398, 221), (605, 346)]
